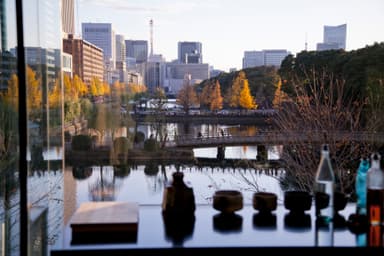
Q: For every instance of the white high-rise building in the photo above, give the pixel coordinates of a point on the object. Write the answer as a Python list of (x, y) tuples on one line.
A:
[(103, 36), (68, 16), (334, 37), (264, 58), (253, 59), (120, 48), (274, 57)]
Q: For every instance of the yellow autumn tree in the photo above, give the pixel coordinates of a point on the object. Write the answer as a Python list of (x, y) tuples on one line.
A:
[(280, 96), (34, 92), (54, 95), (187, 97), (93, 88), (233, 93), (216, 98), (99, 86), (136, 88), (116, 90), (71, 90), (106, 89), (80, 86), (11, 96), (205, 95), (246, 100)]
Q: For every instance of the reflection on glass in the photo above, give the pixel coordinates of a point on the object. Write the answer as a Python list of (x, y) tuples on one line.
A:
[(9, 133)]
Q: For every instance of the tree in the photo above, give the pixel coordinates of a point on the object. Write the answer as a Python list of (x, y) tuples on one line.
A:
[(233, 93), (246, 100), (99, 86), (239, 94), (34, 93), (80, 86), (54, 96), (216, 98), (93, 87), (106, 89), (280, 96), (205, 95), (11, 97), (187, 97), (70, 91), (159, 100), (320, 108)]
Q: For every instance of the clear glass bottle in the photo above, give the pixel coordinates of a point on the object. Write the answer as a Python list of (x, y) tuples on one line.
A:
[(361, 186), (375, 202), (324, 194)]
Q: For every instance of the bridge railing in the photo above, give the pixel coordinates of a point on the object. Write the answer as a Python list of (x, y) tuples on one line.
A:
[(276, 137)]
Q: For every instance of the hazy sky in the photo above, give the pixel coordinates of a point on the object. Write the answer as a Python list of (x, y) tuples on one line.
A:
[(227, 28)]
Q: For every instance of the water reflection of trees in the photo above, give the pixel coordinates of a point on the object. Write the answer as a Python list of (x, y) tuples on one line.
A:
[(122, 171), (81, 173), (104, 186)]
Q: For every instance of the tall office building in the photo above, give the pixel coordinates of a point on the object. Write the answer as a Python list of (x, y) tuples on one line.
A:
[(137, 49), (253, 59), (190, 52), (68, 16), (264, 58), (103, 36), (155, 72), (120, 48), (87, 58), (334, 37)]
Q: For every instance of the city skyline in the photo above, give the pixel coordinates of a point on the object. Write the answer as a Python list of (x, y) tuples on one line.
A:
[(228, 28)]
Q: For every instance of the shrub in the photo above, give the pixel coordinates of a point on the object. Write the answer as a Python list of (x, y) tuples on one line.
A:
[(81, 142), (139, 137), (121, 145), (151, 145)]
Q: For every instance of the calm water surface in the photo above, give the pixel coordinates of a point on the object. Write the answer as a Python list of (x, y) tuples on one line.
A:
[(146, 187)]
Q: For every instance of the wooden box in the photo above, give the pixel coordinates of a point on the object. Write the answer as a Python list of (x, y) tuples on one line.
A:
[(105, 222)]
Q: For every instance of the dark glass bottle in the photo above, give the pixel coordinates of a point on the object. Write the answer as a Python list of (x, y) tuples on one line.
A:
[(375, 202)]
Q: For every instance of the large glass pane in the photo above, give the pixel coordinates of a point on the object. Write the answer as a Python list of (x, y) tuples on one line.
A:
[(9, 134), (42, 37)]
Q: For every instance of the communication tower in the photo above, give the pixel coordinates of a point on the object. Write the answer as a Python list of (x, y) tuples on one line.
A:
[(151, 37)]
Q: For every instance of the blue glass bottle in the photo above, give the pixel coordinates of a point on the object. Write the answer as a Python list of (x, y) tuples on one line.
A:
[(361, 186)]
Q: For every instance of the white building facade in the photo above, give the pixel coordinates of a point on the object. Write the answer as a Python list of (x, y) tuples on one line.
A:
[(264, 58), (334, 37)]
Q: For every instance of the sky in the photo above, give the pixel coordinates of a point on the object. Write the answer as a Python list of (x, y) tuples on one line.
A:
[(227, 28)]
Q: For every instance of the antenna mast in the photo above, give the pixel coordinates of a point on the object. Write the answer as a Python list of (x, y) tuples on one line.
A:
[(151, 37), (306, 42)]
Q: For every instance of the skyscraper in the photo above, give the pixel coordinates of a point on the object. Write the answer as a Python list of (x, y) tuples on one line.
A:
[(137, 49), (190, 52), (68, 16), (120, 48), (264, 58), (334, 37), (102, 35)]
